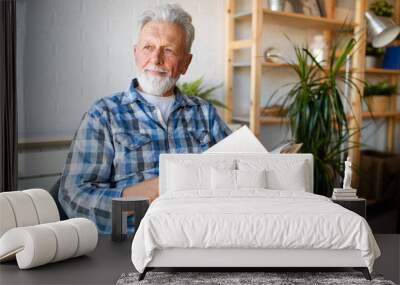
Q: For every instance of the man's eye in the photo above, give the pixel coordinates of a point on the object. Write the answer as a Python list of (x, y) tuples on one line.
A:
[(168, 50)]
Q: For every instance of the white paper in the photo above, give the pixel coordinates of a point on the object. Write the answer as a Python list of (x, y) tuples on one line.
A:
[(242, 140)]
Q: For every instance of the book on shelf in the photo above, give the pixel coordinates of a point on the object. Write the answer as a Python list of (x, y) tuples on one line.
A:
[(345, 194), (344, 198), (341, 190)]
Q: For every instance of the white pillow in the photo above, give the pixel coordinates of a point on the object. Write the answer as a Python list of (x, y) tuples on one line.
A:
[(251, 179), (226, 179), (281, 174), (187, 176), (223, 179), (293, 179)]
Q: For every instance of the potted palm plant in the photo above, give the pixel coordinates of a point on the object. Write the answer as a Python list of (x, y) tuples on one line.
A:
[(316, 112)]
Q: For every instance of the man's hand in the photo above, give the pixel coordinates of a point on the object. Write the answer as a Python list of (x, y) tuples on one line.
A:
[(147, 188)]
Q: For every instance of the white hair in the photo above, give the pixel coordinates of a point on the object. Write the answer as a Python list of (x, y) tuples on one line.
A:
[(170, 13)]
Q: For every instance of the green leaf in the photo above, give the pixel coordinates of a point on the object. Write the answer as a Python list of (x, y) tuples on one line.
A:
[(196, 88)]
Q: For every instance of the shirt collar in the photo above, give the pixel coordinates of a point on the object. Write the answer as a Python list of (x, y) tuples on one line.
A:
[(132, 96)]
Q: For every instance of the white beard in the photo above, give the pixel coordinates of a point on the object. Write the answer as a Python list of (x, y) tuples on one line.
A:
[(155, 85)]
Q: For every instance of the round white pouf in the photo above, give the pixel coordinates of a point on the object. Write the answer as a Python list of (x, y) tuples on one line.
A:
[(40, 244), (45, 205), (87, 234), (67, 240), (7, 218), (23, 208), (33, 246)]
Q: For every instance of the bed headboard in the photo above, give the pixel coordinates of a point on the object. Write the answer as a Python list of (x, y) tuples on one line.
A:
[(282, 161)]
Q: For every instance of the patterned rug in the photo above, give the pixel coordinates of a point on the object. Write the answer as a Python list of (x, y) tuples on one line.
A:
[(273, 278)]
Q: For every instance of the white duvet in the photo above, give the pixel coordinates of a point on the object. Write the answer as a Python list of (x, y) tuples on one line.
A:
[(250, 219)]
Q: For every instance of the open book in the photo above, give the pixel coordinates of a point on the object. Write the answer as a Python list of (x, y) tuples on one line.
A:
[(243, 140)]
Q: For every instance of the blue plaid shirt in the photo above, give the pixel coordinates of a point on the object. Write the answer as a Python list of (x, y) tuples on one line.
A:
[(118, 144)]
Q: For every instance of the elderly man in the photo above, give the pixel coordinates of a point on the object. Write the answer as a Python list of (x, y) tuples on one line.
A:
[(115, 151)]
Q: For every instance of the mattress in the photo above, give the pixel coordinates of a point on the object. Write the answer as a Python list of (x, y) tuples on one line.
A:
[(251, 219)]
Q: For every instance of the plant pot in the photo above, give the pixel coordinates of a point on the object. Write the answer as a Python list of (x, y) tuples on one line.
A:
[(276, 5), (371, 61), (378, 103)]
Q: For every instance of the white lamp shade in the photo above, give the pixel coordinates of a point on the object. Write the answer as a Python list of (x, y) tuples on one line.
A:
[(385, 37), (382, 30)]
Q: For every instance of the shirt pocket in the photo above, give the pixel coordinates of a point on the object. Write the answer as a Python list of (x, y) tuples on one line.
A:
[(201, 138), (132, 141), (134, 155)]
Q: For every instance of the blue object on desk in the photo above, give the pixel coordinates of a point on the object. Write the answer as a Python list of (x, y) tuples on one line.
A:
[(391, 59)]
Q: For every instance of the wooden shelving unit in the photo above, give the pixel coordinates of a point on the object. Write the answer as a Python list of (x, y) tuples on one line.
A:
[(328, 25), (383, 71), (377, 71), (392, 115), (380, 115), (300, 20), (264, 120)]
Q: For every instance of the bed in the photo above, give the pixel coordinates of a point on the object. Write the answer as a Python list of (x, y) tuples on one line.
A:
[(247, 210)]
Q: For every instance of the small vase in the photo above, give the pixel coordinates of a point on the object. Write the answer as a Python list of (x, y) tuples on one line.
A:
[(371, 61)]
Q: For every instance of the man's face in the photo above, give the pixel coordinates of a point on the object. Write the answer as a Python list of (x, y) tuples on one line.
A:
[(161, 53)]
